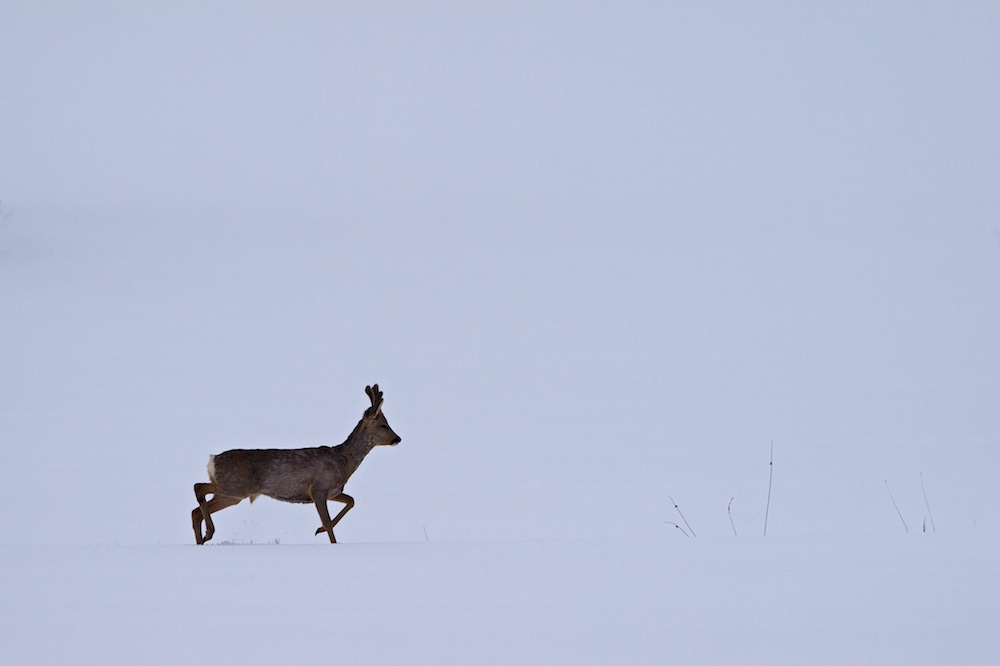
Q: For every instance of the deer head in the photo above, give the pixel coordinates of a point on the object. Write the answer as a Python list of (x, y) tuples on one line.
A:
[(375, 423)]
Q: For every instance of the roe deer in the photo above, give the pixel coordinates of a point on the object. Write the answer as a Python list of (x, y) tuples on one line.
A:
[(312, 475)]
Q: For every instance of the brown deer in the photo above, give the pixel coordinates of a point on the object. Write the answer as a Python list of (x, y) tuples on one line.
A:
[(305, 476)]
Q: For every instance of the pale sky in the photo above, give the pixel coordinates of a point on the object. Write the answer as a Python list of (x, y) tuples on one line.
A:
[(595, 257)]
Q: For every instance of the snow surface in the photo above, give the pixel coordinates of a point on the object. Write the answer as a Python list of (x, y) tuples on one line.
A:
[(927, 599), (598, 258)]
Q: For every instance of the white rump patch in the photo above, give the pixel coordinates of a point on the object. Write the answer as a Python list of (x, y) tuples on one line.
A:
[(211, 469)]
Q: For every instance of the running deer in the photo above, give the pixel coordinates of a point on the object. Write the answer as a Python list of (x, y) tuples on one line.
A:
[(303, 476)]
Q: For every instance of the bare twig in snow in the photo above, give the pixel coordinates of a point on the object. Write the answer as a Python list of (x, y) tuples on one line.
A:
[(678, 527), (770, 479), (682, 516), (933, 528), (898, 513)]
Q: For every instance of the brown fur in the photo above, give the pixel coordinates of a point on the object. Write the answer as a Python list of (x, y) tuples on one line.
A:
[(314, 475)]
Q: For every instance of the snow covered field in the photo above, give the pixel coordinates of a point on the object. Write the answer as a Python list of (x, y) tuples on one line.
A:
[(925, 599), (598, 259)]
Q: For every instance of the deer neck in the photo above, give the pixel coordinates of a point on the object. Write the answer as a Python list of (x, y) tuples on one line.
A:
[(354, 449)]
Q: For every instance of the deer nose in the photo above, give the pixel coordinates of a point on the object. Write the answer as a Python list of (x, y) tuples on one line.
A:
[(396, 441)]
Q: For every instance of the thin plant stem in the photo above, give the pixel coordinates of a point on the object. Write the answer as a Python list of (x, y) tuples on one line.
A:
[(898, 512), (770, 479), (933, 528), (729, 510), (678, 527), (682, 516)]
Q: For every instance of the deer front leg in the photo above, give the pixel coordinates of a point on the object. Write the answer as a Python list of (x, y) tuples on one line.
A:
[(324, 514)]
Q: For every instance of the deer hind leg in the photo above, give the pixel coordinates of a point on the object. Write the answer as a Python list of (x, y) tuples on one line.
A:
[(201, 512), (205, 509), (324, 513), (215, 504)]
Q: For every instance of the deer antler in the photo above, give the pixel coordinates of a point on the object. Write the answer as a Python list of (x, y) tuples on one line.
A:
[(376, 397)]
